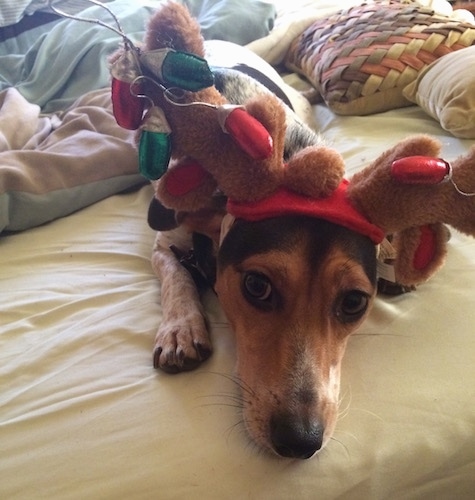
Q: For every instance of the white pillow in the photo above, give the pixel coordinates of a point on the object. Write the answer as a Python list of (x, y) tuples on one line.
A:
[(446, 91)]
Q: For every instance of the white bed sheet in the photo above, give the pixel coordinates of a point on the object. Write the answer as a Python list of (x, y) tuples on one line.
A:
[(83, 414)]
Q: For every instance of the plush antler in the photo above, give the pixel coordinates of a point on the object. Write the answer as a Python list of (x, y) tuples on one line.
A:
[(410, 194), (238, 149), (208, 131)]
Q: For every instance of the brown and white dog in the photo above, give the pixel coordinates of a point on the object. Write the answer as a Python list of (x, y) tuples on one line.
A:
[(292, 251), (292, 287)]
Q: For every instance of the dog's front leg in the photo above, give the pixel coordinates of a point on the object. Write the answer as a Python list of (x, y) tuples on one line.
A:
[(182, 341)]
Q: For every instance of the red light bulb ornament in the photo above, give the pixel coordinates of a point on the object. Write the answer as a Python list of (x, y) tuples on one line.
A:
[(249, 133), (127, 106), (424, 170), (420, 170), (154, 144)]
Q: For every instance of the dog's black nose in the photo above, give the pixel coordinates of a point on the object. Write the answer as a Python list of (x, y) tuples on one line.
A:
[(291, 437)]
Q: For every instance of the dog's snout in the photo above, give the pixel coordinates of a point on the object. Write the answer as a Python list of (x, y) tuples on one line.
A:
[(293, 438)]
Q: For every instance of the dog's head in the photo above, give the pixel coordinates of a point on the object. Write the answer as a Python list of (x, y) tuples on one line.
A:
[(293, 288)]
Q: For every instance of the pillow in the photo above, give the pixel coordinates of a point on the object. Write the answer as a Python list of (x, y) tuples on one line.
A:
[(446, 91), (361, 59)]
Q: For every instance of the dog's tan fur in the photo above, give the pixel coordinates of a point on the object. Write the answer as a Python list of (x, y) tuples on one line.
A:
[(291, 359)]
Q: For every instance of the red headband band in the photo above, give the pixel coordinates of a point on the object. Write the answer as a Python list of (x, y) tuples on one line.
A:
[(335, 208)]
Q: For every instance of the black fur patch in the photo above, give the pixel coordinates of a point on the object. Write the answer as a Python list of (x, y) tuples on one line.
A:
[(255, 75), (159, 217), (284, 233)]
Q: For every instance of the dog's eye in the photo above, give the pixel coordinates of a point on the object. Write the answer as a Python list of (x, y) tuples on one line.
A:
[(256, 288), (352, 306)]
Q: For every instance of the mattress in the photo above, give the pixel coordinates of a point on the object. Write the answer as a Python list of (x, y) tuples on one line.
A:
[(83, 414)]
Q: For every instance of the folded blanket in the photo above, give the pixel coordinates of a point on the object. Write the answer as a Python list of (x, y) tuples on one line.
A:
[(51, 166)]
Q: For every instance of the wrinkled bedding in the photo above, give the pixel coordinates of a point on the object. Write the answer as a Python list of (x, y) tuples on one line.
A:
[(37, 185), (55, 103), (83, 414)]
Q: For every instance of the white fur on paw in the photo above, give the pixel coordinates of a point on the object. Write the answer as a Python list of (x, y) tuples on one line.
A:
[(181, 345)]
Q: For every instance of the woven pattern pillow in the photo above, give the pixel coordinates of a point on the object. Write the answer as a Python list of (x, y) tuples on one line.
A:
[(361, 59)]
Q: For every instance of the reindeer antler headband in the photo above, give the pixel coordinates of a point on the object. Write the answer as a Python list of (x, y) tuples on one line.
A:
[(239, 151)]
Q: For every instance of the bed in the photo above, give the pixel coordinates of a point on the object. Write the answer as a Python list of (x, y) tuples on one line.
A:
[(83, 414)]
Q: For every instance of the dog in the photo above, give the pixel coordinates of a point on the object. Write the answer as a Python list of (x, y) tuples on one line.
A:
[(292, 287)]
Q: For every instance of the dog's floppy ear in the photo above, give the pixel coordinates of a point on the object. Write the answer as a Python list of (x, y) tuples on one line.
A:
[(159, 217), (410, 194)]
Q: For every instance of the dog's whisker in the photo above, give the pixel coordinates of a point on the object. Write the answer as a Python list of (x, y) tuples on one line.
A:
[(334, 439), (227, 395), (362, 334), (343, 412), (237, 425), (364, 410), (343, 395), (223, 399), (340, 432), (229, 405), (251, 445), (236, 398), (246, 388), (237, 381)]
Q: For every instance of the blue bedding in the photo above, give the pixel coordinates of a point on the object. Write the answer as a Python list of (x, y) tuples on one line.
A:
[(57, 61)]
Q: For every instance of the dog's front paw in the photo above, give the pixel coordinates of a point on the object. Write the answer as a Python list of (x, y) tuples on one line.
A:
[(181, 346)]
